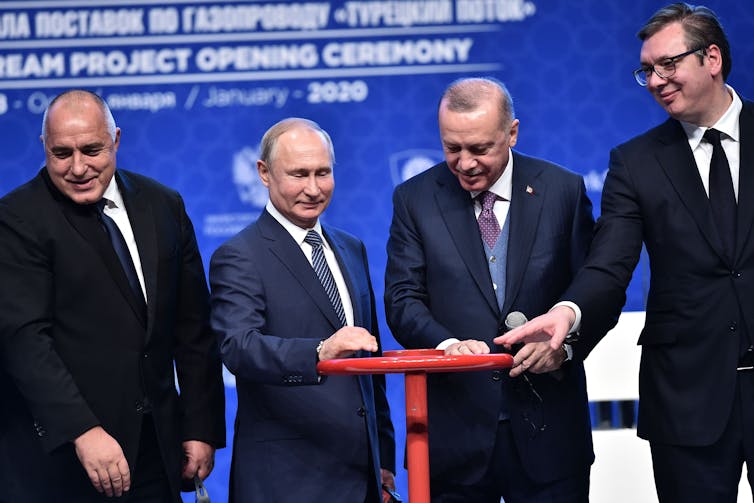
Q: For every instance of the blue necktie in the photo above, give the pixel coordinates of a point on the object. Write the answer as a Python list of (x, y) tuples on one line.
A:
[(319, 263), (121, 250)]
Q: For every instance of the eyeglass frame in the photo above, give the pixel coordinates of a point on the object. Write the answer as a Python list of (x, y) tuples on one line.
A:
[(642, 74)]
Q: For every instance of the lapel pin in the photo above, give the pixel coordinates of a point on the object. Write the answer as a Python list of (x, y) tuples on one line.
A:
[(529, 190)]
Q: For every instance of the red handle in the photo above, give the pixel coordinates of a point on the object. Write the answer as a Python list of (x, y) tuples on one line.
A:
[(412, 360)]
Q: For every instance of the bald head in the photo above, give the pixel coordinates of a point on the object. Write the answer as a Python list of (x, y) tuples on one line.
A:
[(78, 98)]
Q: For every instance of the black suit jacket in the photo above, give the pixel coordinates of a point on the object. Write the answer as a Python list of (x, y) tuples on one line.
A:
[(438, 286), (699, 304), (77, 351), (298, 437)]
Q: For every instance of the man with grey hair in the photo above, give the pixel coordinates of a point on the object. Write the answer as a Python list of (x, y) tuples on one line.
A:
[(486, 233), (102, 296), (287, 292), (685, 189)]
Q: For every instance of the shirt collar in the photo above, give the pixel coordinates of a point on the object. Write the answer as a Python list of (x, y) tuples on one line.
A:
[(503, 186), (728, 124), (113, 195), (296, 232)]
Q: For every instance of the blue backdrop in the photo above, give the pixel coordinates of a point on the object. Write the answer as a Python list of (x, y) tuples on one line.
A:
[(194, 84)]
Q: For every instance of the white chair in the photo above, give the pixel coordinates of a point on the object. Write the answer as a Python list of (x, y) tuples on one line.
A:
[(622, 471)]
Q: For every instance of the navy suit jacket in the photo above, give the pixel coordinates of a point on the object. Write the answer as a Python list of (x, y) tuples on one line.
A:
[(77, 351), (438, 286), (297, 437), (699, 304)]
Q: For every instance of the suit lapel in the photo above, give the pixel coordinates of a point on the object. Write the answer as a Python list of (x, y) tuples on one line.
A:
[(457, 210), (142, 224), (527, 196), (290, 255), (745, 178), (83, 219), (346, 264), (676, 159)]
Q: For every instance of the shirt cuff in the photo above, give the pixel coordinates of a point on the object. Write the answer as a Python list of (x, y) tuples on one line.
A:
[(577, 311), (447, 342)]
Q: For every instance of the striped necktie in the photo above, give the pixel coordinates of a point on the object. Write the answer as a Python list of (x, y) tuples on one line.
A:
[(324, 274)]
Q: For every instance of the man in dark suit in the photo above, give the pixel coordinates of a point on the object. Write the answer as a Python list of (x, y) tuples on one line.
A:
[(674, 188), (450, 285), (288, 291), (90, 407)]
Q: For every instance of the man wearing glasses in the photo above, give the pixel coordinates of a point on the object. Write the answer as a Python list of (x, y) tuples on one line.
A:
[(686, 190)]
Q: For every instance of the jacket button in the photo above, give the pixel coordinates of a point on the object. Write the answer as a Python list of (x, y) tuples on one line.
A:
[(139, 407), (361, 412), (496, 375)]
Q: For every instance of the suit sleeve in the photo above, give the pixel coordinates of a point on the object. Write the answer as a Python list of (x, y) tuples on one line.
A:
[(28, 352), (582, 229), (599, 289), (196, 355), (239, 305), (382, 409), (406, 290)]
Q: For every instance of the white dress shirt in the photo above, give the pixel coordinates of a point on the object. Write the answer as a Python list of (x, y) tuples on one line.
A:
[(116, 209), (298, 234), (730, 139), (502, 188)]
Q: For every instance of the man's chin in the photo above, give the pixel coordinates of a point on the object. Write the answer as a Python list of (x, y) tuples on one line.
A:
[(84, 197)]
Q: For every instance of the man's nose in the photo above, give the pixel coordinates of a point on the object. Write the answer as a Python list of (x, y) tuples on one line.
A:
[(654, 80), (467, 162), (78, 164), (312, 187)]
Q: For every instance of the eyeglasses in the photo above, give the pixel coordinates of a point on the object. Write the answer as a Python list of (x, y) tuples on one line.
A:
[(664, 69)]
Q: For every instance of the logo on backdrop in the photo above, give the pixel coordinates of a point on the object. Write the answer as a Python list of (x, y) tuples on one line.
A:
[(251, 192), (250, 188), (408, 163)]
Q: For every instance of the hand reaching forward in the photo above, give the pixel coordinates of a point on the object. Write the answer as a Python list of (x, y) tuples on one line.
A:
[(103, 459), (346, 341), (552, 326)]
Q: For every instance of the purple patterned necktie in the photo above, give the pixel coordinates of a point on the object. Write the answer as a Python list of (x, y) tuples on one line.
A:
[(489, 227)]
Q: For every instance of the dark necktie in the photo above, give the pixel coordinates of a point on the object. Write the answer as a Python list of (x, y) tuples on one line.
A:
[(721, 196), (121, 250), (489, 227), (324, 274)]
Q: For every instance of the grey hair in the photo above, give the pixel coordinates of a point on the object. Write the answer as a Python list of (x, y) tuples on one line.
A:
[(467, 94), (270, 138)]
